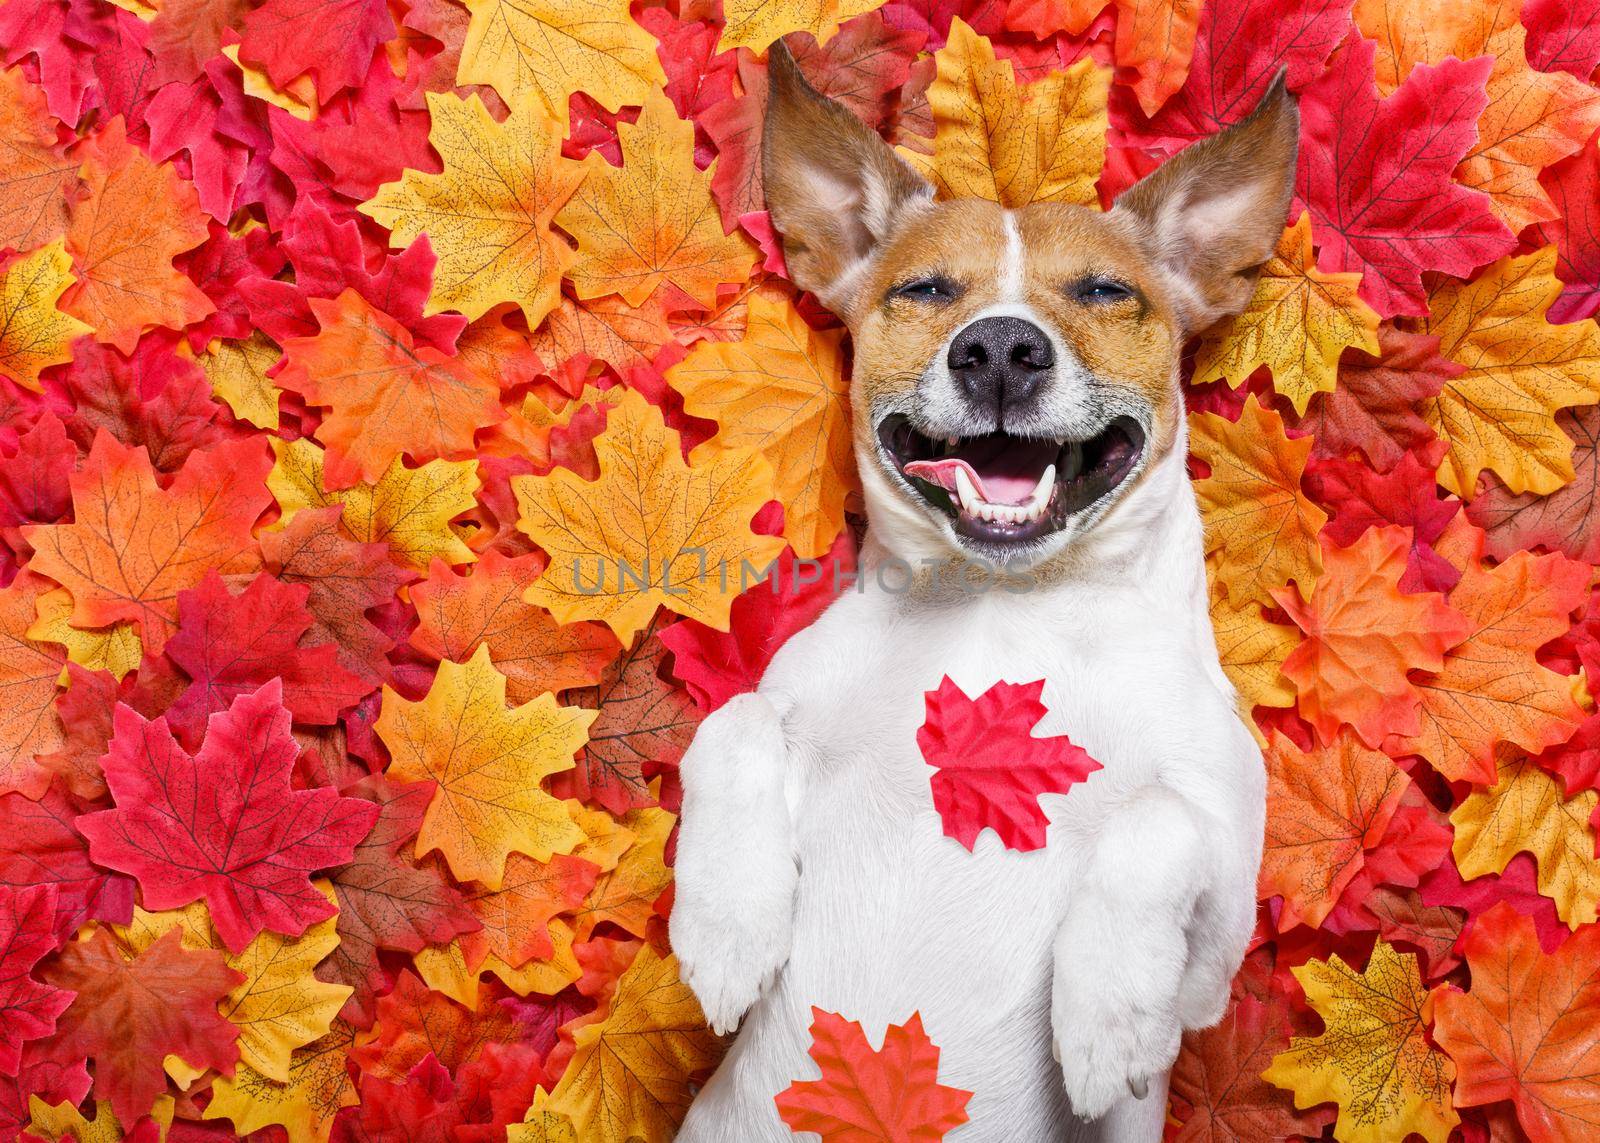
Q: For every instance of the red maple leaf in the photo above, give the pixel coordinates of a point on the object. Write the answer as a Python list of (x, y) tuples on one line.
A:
[(1358, 498), (28, 1008), (1376, 176), (1565, 521), (329, 256), (990, 769), (1238, 49), (233, 644), (130, 1015), (1218, 1095), (891, 1095), (153, 398), (33, 479), (85, 711), (644, 721), (716, 665), (224, 824), (1373, 410), (330, 40), (345, 579), (1562, 36), (386, 899), (43, 847), (1573, 185)]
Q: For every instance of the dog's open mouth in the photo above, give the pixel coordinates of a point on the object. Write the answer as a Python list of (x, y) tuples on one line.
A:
[(1007, 489)]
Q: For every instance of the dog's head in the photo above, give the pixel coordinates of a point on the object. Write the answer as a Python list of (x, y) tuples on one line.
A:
[(1016, 371)]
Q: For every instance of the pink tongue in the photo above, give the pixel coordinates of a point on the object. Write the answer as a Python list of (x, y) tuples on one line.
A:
[(1000, 485)]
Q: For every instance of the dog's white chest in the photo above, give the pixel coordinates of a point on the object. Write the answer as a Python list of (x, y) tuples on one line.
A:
[(892, 915)]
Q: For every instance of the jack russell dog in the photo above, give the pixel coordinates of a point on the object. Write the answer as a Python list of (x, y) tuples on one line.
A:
[(1016, 409)]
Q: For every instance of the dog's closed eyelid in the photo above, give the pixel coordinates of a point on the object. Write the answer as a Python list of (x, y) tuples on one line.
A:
[(925, 287), (1102, 289)]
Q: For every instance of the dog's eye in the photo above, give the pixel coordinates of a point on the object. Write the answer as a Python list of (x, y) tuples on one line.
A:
[(927, 290), (1101, 290)]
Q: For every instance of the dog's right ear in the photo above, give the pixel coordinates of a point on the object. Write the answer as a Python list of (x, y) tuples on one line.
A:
[(834, 188)]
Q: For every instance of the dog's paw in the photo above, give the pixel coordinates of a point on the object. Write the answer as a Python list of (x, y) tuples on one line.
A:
[(1108, 1053), (728, 961)]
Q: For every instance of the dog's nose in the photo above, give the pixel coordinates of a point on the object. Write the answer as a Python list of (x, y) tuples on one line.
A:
[(1000, 361)]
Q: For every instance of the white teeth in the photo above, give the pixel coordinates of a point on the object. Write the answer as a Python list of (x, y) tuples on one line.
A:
[(970, 500), (1033, 508)]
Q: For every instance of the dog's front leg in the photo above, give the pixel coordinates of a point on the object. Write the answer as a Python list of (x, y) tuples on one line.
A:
[(1122, 951), (735, 868)]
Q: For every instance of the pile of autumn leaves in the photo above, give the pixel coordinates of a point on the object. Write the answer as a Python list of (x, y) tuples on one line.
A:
[(335, 331)]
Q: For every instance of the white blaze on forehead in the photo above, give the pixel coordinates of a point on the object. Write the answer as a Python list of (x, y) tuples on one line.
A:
[(1012, 261)]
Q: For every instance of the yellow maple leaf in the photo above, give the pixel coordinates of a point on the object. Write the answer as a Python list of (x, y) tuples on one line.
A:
[(1252, 649), (626, 894), (549, 49), (1518, 370), (409, 509), (1298, 322), (237, 371), (781, 390), (652, 220), (629, 1076), (605, 838), (545, 975), (487, 762), (33, 332), (754, 24), (64, 1121), (651, 530), (1044, 142), (541, 1124), (1261, 529), (487, 215), (280, 1006), (1373, 1057), (1525, 812), (319, 1085), (116, 648), (443, 968)]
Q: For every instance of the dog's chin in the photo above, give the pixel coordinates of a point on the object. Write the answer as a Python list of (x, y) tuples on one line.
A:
[(1013, 499)]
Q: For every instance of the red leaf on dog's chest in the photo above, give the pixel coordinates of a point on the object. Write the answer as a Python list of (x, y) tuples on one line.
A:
[(990, 767), (865, 1096)]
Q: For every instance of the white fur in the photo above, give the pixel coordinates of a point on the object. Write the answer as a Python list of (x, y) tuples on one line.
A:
[(1125, 929)]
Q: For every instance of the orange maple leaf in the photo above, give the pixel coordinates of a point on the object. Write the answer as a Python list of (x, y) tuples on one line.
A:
[(136, 217), (517, 915), (29, 672), (650, 531), (458, 614), (1362, 636), (35, 176), (653, 220), (487, 762), (386, 395), (133, 545), (1155, 38), (1325, 809), (626, 895), (1261, 529), (1533, 118), (1529, 1028), (781, 390), (865, 1095), (1491, 689)]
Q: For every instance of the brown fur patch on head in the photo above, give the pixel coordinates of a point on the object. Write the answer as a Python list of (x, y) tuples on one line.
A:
[(895, 338), (836, 190), (1211, 216)]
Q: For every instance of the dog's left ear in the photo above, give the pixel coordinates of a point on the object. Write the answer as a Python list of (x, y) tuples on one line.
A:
[(835, 189), (1212, 215)]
